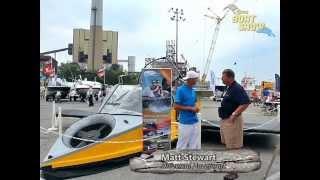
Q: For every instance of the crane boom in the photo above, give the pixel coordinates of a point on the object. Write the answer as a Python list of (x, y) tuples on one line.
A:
[(183, 58), (185, 61), (209, 58), (213, 42)]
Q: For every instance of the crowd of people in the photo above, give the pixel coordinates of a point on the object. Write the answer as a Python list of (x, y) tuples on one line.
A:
[(266, 100)]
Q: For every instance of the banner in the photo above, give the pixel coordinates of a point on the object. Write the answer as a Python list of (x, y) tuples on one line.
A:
[(156, 100)]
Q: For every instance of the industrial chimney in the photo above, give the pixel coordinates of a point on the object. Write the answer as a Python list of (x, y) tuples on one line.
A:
[(95, 46)]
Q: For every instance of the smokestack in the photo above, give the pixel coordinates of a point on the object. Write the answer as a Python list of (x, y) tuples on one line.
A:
[(95, 46), (131, 63)]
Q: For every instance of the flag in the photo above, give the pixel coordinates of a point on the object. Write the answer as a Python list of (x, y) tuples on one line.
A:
[(101, 72), (266, 31), (48, 70), (277, 78)]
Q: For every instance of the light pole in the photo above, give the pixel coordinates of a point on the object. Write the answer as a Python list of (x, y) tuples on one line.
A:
[(177, 16)]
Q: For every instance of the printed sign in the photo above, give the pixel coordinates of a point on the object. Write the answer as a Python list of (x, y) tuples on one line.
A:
[(247, 22), (156, 100)]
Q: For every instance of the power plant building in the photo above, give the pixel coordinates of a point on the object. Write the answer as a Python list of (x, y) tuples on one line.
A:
[(95, 47), (81, 47)]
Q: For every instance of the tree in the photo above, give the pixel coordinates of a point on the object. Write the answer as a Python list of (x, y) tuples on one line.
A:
[(89, 75), (112, 75), (69, 71), (131, 79)]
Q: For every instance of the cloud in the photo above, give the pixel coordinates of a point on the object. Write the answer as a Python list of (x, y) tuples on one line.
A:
[(144, 26)]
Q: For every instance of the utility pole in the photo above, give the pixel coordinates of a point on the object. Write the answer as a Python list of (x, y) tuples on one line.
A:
[(177, 16)]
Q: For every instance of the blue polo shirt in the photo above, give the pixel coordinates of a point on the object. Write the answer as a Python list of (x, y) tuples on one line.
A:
[(265, 92), (186, 96)]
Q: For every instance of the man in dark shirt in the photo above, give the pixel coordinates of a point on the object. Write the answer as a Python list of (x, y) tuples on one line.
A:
[(235, 101)]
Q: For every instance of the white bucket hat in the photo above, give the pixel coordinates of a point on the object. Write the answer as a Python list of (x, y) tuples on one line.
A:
[(191, 75)]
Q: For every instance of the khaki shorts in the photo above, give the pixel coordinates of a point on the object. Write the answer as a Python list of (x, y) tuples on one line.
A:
[(232, 133)]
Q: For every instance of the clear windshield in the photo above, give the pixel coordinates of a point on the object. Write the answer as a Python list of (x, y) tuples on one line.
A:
[(124, 99)]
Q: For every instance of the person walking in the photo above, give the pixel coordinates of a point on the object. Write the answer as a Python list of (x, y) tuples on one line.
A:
[(42, 92), (90, 96), (104, 89), (185, 104), (45, 93), (265, 94), (235, 101), (255, 97), (58, 96), (72, 95), (100, 95)]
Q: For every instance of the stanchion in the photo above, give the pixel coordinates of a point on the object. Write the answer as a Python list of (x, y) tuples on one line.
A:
[(56, 120), (53, 120), (60, 121)]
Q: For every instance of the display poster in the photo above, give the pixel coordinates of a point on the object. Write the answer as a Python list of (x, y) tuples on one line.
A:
[(156, 100)]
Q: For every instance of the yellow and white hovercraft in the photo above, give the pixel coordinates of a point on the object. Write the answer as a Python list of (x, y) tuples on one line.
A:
[(115, 132)]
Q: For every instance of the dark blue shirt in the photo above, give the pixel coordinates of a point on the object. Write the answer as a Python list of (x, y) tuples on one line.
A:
[(186, 96), (234, 96)]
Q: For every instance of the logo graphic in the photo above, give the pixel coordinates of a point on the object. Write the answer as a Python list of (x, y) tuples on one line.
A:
[(248, 22)]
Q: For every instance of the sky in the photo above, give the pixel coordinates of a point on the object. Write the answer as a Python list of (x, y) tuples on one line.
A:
[(144, 26)]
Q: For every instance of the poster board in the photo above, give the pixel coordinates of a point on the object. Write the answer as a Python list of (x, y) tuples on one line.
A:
[(156, 99)]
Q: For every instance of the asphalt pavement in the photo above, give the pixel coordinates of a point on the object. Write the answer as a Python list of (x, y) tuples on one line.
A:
[(262, 143)]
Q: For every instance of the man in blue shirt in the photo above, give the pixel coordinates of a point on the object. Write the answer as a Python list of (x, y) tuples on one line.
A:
[(265, 94), (185, 103), (235, 101)]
